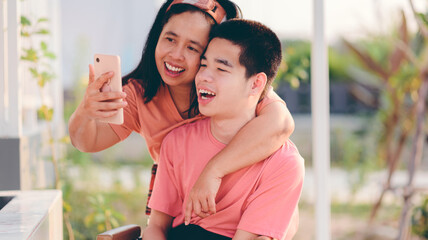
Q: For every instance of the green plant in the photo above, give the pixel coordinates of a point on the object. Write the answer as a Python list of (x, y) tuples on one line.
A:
[(103, 214), (401, 70), (352, 152), (39, 58), (295, 68), (420, 220), (397, 80)]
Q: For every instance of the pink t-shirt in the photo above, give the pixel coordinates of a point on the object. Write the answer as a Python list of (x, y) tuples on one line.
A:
[(157, 118), (261, 199)]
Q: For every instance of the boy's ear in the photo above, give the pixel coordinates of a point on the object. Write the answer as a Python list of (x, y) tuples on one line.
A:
[(258, 83)]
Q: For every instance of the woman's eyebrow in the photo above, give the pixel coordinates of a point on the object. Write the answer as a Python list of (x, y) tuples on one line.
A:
[(171, 33)]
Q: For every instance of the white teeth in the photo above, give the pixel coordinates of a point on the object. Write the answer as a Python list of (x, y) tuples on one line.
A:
[(174, 69), (204, 91)]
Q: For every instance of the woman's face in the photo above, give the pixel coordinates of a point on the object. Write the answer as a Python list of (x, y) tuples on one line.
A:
[(181, 43)]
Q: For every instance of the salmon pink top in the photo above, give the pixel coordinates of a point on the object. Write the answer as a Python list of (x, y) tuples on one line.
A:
[(261, 199), (154, 120)]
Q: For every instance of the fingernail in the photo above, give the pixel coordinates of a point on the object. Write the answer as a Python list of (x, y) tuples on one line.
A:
[(110, 73), (186, 223), (123, 94)]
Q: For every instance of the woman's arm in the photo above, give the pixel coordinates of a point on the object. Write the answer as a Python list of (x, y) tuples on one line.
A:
[(257, 140), (86, 132), (158, 227)]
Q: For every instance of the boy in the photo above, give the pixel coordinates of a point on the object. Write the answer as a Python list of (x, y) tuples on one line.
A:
[(237, 68)]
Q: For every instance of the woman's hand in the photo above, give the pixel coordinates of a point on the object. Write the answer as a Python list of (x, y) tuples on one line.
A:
[(99, 101), (201, 198), (86, 133)]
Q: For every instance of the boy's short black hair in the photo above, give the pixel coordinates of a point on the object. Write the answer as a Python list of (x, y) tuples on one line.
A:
[(260, 46)]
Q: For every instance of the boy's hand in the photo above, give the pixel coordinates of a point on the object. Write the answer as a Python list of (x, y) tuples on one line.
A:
[(201, 198)]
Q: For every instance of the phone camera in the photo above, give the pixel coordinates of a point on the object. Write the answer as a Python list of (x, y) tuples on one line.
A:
[(98, 60)]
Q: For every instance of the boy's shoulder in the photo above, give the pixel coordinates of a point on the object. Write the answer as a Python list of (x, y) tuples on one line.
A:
[(188, 131), (287, 157)]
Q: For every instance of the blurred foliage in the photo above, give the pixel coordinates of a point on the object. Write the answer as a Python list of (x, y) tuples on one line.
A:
[(420, 220), (354, 152), (39, 59), (397, 64), (362, 210), (102, 215), (295, 68), (92, 205)]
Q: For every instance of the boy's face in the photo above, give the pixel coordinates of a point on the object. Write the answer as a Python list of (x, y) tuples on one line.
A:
[(222, 87)]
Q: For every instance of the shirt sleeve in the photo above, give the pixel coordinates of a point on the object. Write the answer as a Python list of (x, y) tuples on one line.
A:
[(271, 209), (165, 197), (269, 98), (130, 113)]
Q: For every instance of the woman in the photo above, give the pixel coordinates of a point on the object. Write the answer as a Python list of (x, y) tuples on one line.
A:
[(159, 95)]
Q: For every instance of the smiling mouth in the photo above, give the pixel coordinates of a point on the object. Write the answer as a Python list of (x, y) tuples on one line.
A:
[(206, 94), (172, 69)]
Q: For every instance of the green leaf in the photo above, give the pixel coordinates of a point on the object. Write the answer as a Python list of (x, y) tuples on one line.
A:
[(45, 113), (34, 72), (423, 18), (42, 20), (30, 55), (25, 34), (43, 46), (44, 77), (65, 140), (49, 55), (43, 32), (25, 21)]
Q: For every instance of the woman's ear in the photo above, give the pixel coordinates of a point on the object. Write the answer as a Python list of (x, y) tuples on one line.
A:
[(258, 83)]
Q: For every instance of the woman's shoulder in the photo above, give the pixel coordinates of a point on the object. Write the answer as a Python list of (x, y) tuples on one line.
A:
[(134, 85)]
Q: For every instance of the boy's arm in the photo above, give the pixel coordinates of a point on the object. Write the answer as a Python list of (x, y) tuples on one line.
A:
[(257, 140), (158, 227)]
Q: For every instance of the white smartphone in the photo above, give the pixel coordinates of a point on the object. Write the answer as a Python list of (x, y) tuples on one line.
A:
[(107, 63)]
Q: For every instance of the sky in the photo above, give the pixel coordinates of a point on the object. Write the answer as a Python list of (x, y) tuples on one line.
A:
[(343, 18), (113, 27), (350, 18)]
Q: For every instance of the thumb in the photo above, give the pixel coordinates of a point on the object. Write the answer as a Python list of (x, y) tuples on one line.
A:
[(188, 212), (262, 238), (91, 74), (98, 83)]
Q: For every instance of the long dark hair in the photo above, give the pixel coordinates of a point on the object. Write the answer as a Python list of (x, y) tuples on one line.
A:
[(146, 73)]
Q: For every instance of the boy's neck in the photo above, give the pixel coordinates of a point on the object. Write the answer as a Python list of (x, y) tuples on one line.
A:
[(224, 129)]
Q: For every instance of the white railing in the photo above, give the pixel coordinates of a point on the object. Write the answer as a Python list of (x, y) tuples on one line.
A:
[(20, 96), (35, 215), (10, 98)]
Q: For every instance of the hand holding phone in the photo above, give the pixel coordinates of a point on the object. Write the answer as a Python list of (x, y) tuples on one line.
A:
[(104, 64)]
